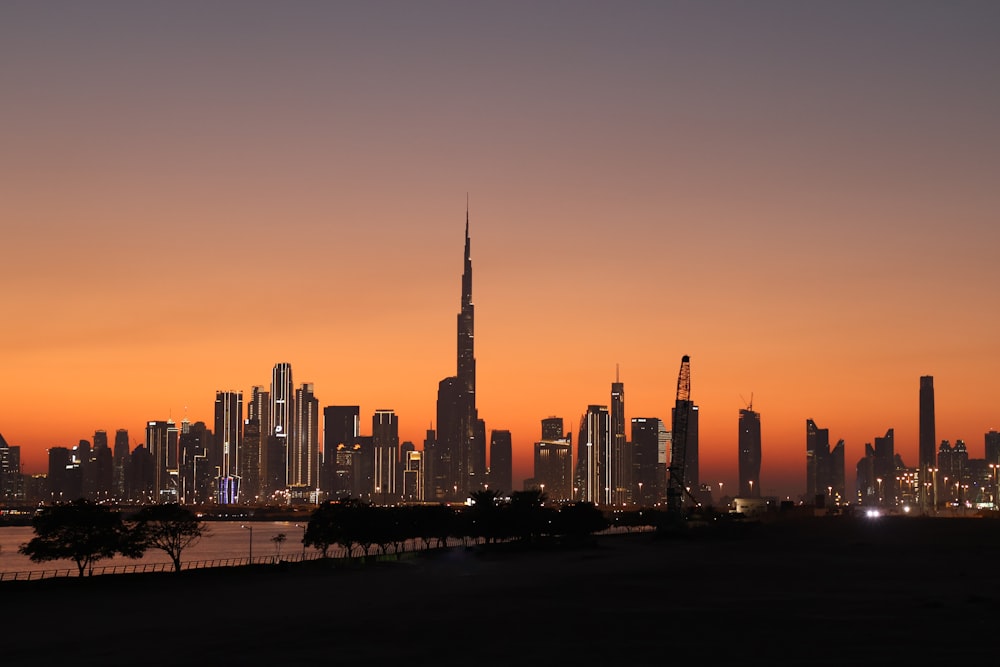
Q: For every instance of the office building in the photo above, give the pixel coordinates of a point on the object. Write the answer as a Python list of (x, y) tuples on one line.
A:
[(281, 420), (650, 469), (617, 464), (928, 435), (385, 451), (501, 476), (228, 443), (749, 452), (303, 445), (594, 444)]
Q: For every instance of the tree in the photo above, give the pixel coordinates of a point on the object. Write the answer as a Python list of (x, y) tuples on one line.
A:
[(81, 531), (169, 528), (278, 540)]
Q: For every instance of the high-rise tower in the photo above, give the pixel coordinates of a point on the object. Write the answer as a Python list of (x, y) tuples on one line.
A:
[(303, 445), (928, 436), (618, 460), (460, 464), (228, 442), (280, 419), (749, 461)]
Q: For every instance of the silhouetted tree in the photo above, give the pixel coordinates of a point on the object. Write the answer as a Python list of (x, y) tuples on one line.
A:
[(81, 531), (577, 520), (484, 516), (528, 516), (278, 541), (169, 528)]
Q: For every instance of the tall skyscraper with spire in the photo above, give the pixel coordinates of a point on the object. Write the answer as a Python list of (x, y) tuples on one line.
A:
[(928, 436), (461, 446)]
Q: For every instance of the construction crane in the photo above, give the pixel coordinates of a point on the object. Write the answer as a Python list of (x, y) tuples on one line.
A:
[(676, 489)]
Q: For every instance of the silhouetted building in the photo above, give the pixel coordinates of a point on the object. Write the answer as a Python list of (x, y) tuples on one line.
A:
[(385, 442), (953, 472), (250, 446), (228, 443), (618, 458), (992, 447), (101, 474), (413, 476), (198, 477), (501, 476), (593, 449), (928, 434), (884, 469), (11, 484), (552, 429), (121, 457), (865, 477), (461, 465), (824, 466), (259, 409), (553, 472), (303, 446), (341, 426), (282, 417), (649, 468), (692, 479), (162, 444), (749, 450)]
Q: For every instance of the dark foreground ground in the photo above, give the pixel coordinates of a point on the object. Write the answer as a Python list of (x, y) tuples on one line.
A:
[(826, 591)]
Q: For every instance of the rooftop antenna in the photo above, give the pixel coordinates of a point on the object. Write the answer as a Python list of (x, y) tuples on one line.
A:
[(617, 379)]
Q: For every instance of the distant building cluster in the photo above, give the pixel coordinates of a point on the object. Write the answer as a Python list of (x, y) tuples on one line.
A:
[(944, 479), (276, 445)]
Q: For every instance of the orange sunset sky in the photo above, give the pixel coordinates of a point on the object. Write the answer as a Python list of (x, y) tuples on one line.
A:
[(803, 197)]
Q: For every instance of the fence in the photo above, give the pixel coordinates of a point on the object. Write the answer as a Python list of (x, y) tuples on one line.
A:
[(333, 552)]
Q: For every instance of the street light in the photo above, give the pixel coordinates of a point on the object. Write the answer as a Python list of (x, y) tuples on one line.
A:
[(250, 528), (640, 494), (879, 480), (299, 525)]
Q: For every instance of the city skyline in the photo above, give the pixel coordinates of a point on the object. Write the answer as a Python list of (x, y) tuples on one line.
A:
[(800, 198)]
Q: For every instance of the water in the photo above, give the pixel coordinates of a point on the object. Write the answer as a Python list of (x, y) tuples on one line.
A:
[(225, 539)]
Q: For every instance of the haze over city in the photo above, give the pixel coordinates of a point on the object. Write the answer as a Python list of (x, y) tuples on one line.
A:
[(800, 197)]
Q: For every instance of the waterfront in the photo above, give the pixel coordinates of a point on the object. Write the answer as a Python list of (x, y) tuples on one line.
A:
[(225, 539)]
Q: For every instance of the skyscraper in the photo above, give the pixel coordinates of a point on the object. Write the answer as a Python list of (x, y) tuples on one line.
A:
[(461, 436), (501, 461), (992, 443), (385, 443), (928, 436), (255, 480), (817, 447), (303, 445), (650, 471), (281, 418), (884, 468), (228, 436), (749, 451), (121, 456), (824, 466), (341, 427), (595, 439), (618, 458), (162, 439)]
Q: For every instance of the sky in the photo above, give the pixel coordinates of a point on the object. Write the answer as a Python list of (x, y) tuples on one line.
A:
[(800, 196)]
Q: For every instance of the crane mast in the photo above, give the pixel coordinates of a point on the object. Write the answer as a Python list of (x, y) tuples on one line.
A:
[(678, 441)]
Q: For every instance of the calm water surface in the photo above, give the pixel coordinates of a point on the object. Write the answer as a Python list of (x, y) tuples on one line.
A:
[(226, 539)]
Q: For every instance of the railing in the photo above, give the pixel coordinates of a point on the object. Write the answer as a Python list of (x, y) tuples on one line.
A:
[(139, 568), (333, 552)]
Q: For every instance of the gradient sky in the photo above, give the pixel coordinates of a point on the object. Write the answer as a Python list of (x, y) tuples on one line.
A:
[(803, 197)]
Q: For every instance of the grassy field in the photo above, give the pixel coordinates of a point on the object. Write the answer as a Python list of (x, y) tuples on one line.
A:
[(820, 591)]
